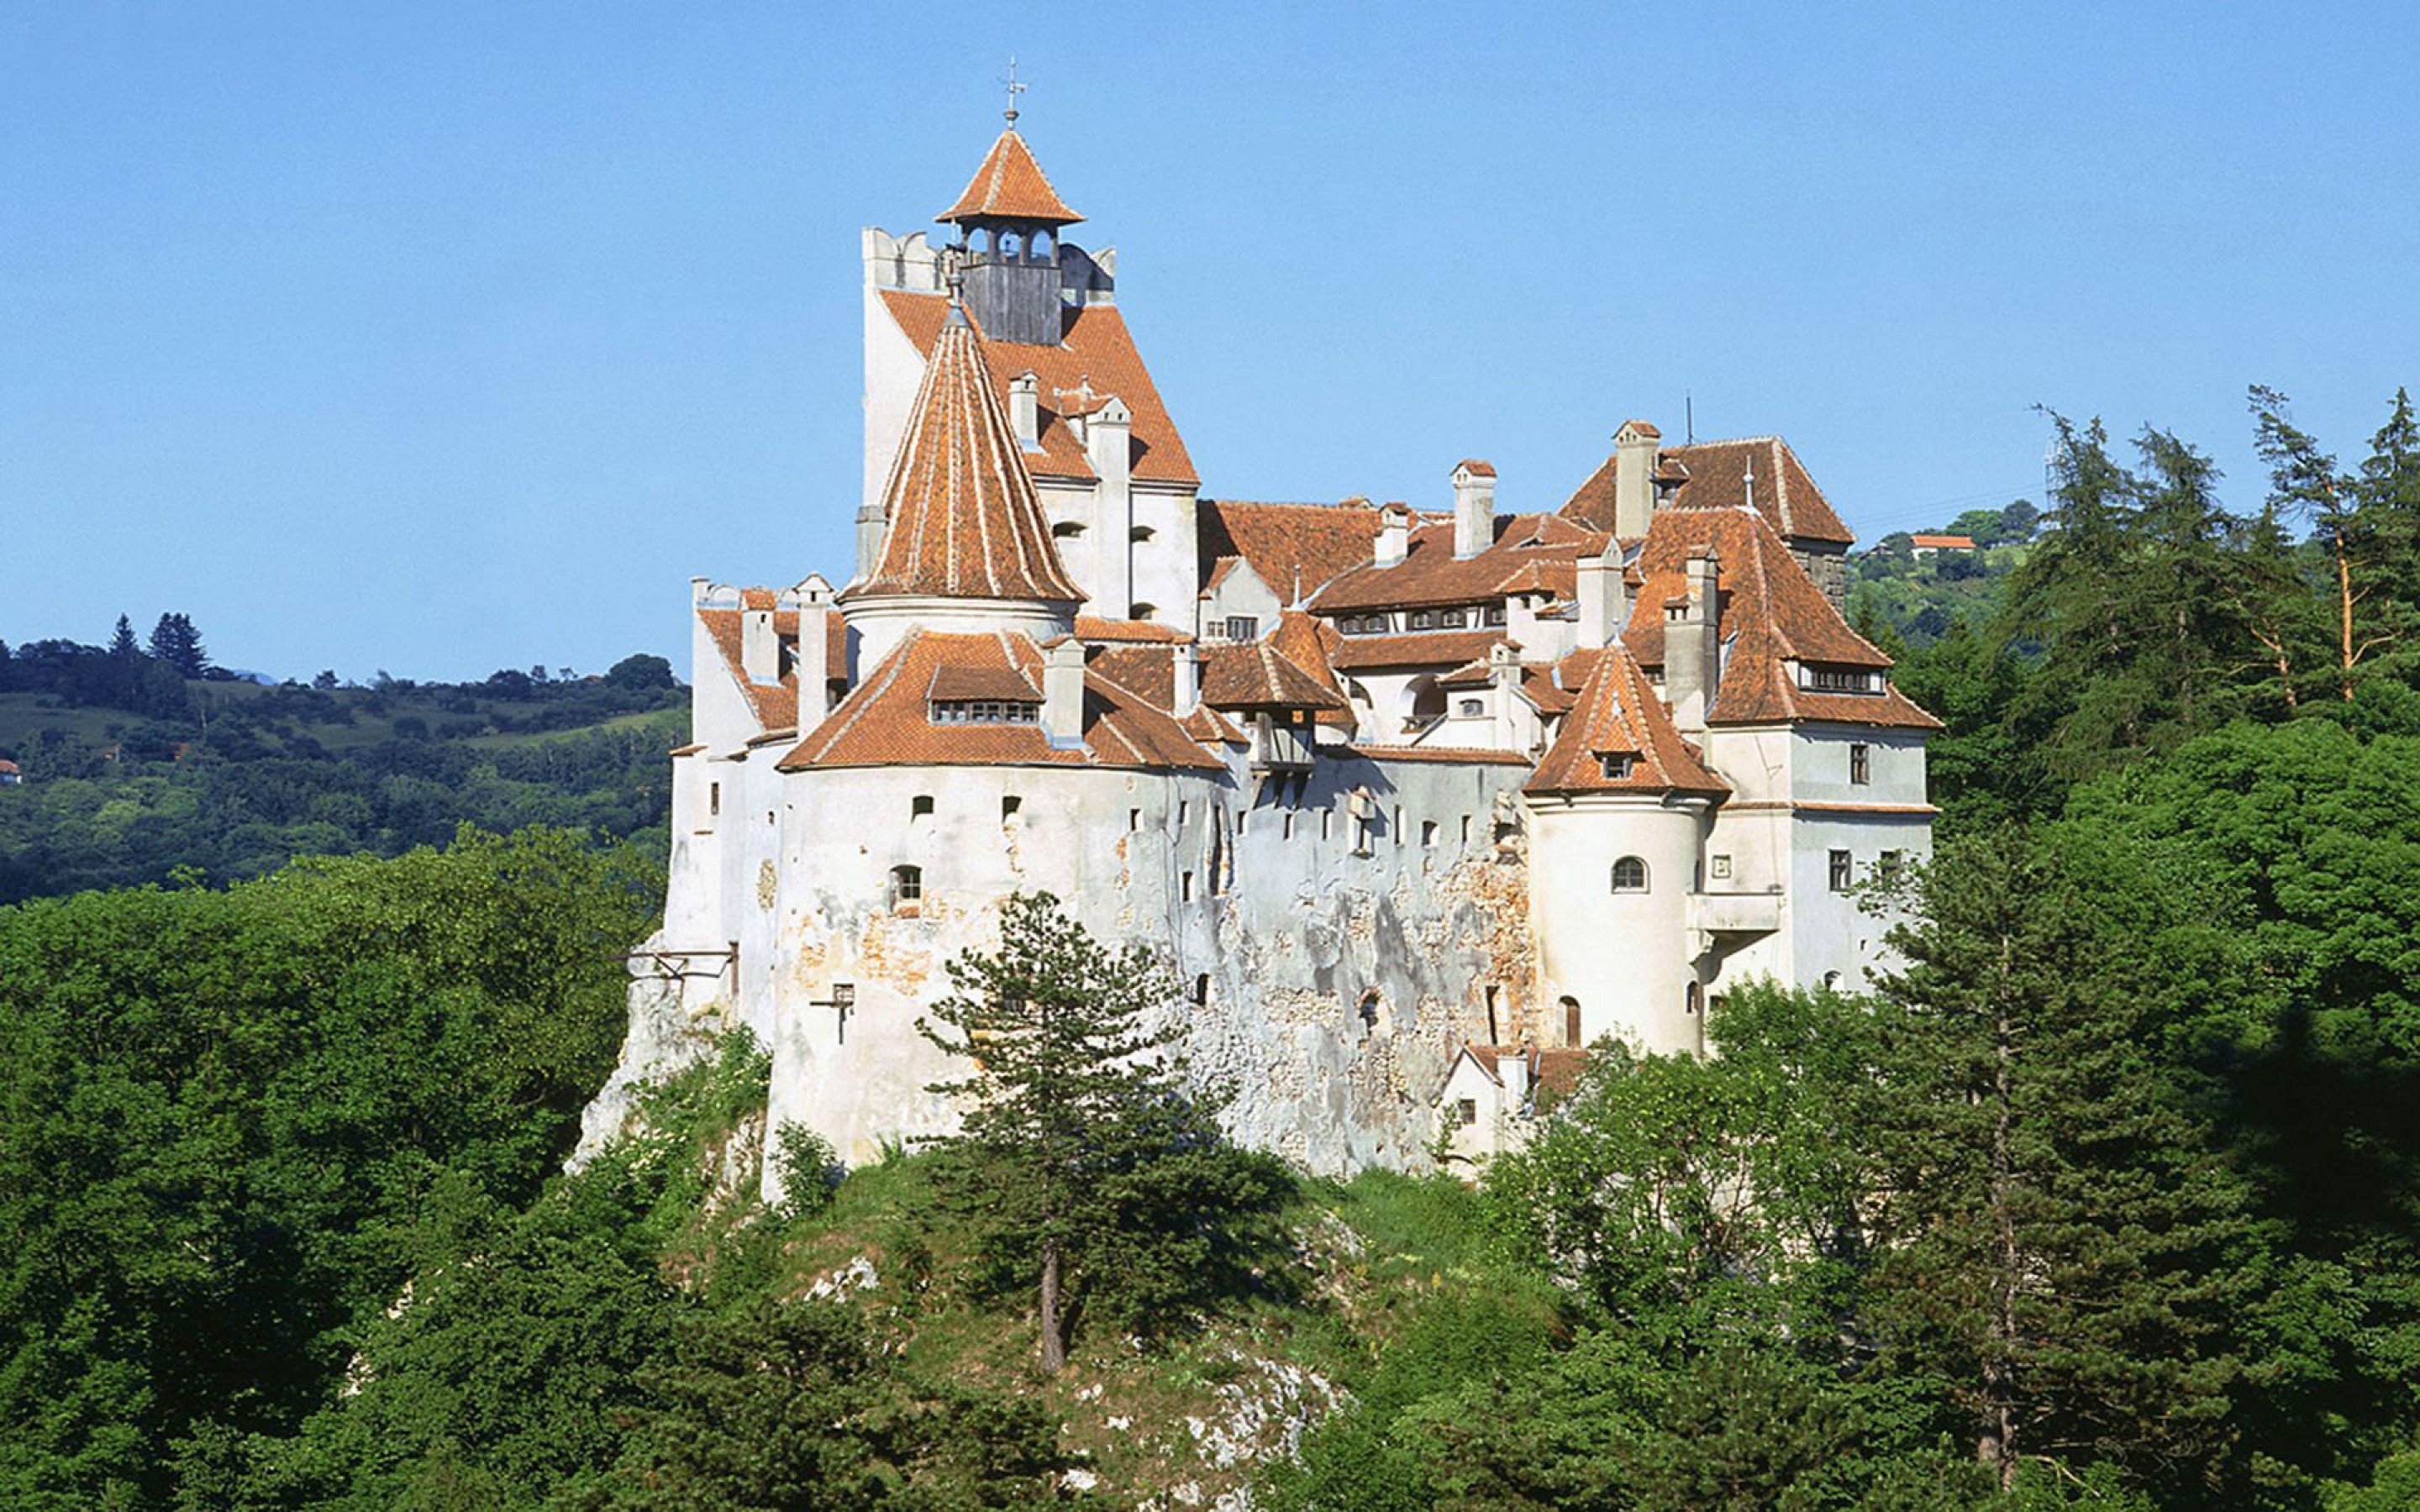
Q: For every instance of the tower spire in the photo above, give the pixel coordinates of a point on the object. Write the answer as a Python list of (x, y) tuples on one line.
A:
[(1014, 90)]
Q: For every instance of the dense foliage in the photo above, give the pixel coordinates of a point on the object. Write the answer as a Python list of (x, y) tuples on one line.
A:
[(1092, 1166), (133, 773), (233, 1120)]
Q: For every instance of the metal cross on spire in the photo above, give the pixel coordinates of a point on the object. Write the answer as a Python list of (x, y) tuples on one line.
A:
[(1014, 90)]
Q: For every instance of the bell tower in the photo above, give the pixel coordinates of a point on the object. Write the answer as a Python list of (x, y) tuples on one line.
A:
[(1008, 221)]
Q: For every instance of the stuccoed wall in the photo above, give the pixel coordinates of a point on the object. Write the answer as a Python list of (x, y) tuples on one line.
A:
[(1625, 956), (1290, 931)]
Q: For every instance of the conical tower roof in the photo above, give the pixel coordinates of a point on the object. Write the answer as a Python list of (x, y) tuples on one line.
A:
[(1620, 715), (1010, 186), (965, 521)]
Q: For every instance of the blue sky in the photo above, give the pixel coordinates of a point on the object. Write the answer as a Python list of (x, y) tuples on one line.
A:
[(439, 339)]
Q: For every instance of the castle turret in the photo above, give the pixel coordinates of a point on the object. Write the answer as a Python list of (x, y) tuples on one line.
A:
[(1008, 223), (964, 542)]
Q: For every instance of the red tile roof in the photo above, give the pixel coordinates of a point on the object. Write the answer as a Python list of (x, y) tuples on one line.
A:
[(1620, 714), (965, 521), (1531, 553), (1256, 676), (1094, 347), (1946, 543), (1770, 612), (885, 720), (1010, 185), (1298, 550), (1475, 468), (776, 705), (1310, 644), (1091, 628), (1555, 1072), (1714, 475), (1459, 755), (1450, 648)]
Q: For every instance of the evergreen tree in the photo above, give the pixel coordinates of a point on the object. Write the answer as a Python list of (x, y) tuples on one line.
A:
[(176, 642), (1089, 1168), (122, 646), (2304, 481), (2386, 494), (2062, 1246)]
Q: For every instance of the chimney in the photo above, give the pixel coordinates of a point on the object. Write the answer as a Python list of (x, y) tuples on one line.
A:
[(1186, 693), (1394, 534), (760, 650), (1063, 691), (1474, 507), (813, 663), (1512, 1069), (1691, 652), (1634, 478), (1025, 410), (1604, 600)]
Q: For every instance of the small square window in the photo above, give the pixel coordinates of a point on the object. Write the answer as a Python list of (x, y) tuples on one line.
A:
[(920, 806), (1842, 871), (1720, 865), (1466, 1112), (1614, 767), (1861, 766), (1471, 708), (1422, 619), (1886, 866)]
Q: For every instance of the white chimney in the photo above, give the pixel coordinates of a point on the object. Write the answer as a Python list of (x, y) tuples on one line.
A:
[(1063, 691), (1692, 650), (1634, 478), (1186, 691), (1512, 1069), (1025, 410), (1604, 598), (1474, 507), (760, 650), (813, 662), (1394, 534)]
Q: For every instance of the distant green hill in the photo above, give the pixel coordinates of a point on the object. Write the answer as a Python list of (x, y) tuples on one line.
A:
[(1919, 594), (133, 773)]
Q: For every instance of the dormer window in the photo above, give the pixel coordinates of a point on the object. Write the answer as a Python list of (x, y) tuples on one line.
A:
[(1491, 614), (1243, 627), (984, 711), (1614, 767), (1452, 619), (1423, 620), (1838, 680), (1363, 624)]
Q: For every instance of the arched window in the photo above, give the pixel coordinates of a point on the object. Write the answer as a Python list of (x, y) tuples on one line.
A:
[(1423, 700), (920, 806), (1012, 246), (906, 885), (1571, 1022), (1141, 532), (980, 243), (1693, 997), (1630, 874), (1040, 246), (1370, 1009), (1067, 530), (1142, 611)]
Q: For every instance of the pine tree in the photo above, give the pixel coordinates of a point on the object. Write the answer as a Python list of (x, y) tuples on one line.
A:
[(122, 646), (1084, 1160), (2386, 495), (2062, 1246), (176, 642), (2306, 482)]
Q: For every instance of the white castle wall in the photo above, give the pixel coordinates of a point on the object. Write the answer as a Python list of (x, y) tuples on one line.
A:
[(1626, 957)]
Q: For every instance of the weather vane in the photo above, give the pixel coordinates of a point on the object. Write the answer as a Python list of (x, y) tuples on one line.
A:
[(1014, 90)]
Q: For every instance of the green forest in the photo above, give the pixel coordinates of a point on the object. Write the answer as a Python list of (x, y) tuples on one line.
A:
[(2108, 1198), (142, 761)]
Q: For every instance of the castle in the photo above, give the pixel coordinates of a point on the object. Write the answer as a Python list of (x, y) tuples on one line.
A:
[(1414, 802)]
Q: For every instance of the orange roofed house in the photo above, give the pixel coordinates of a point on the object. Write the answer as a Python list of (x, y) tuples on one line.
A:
[(1399, 794)]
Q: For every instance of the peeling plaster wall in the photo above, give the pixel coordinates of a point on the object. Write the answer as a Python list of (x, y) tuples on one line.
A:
[(1270, 901)]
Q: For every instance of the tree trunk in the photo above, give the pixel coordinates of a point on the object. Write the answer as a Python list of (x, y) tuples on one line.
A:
[(1997, 1445), (1054, 1345), (2344, 610)]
